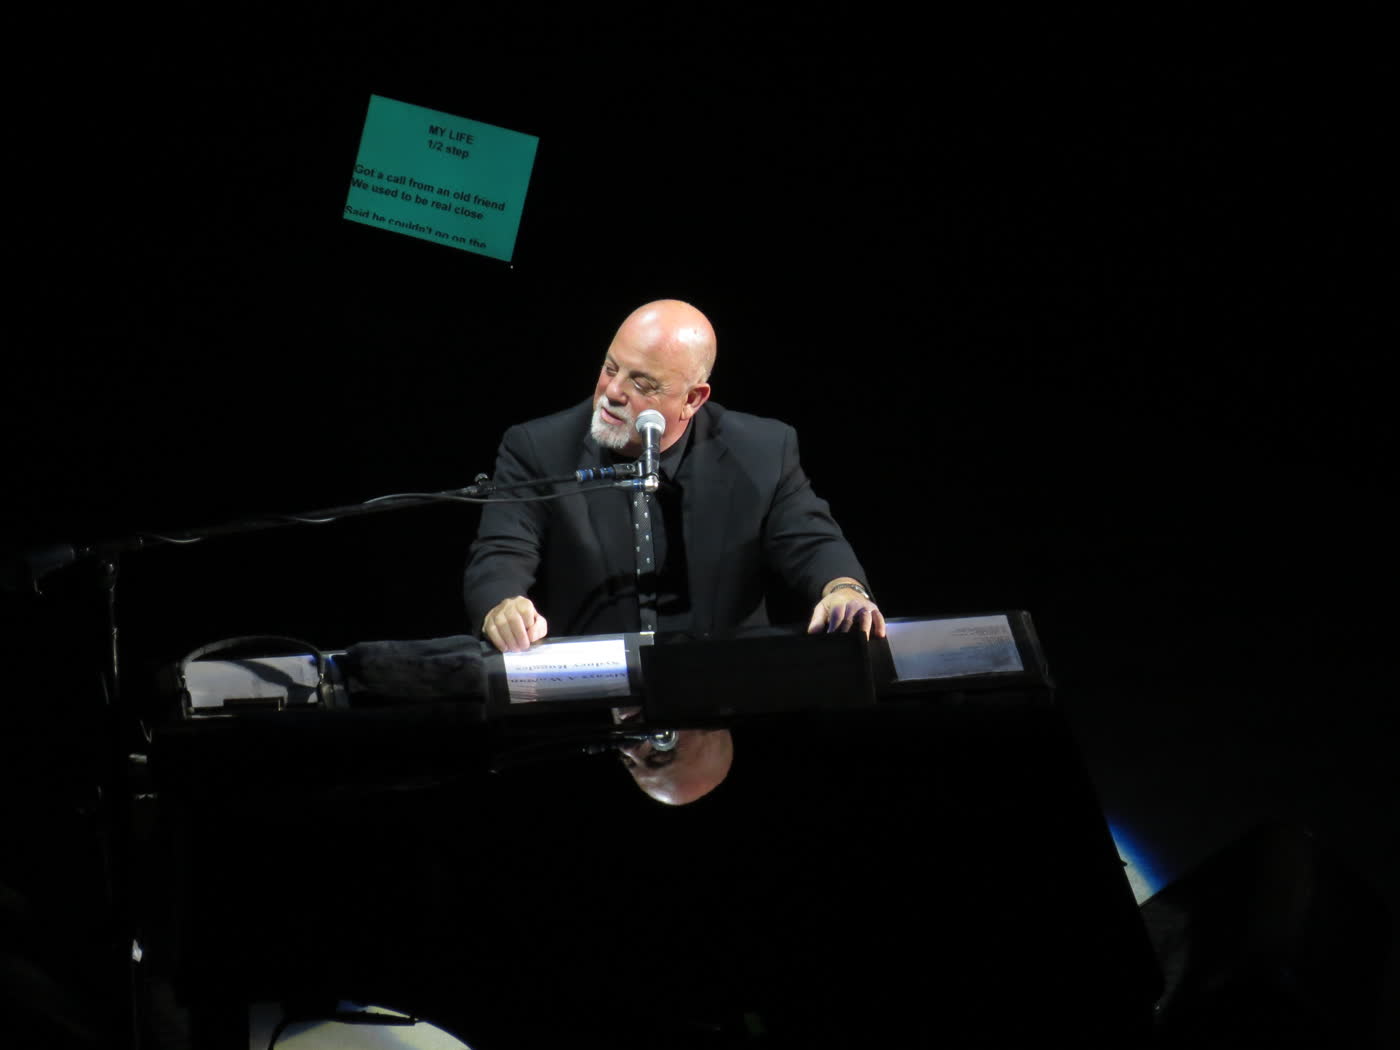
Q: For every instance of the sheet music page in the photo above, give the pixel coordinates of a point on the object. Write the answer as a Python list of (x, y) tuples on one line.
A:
[(212, 682), (568, 671), (952, 648)]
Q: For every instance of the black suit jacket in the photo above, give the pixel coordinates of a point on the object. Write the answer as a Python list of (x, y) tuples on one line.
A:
[(750, 516)]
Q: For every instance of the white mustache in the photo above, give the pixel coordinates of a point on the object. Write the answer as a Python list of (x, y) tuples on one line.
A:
[(624, 414)]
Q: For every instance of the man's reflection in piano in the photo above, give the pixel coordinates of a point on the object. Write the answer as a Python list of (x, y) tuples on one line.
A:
[(695, 766)]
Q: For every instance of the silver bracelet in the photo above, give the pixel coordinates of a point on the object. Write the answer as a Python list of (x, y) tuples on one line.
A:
[(855, 587)]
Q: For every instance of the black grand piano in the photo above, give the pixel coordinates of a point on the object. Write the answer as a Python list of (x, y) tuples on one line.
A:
[(903, 851)]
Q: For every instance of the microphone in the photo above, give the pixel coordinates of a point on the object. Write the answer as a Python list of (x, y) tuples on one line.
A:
[(651, 425)]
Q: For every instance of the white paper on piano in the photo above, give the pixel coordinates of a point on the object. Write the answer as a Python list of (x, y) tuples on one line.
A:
[(953, 648), (568, 671), (220, 685)]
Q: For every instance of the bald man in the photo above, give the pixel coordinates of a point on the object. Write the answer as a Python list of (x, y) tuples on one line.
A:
[(734, 514)]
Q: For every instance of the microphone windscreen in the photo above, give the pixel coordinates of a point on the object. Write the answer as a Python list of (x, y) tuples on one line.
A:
[(651, 419)]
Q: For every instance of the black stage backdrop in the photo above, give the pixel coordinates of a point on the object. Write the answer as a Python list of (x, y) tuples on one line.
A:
[(1075, 312)]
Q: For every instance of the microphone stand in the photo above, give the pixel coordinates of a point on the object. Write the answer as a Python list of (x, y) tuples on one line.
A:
[(38, 562), (118, 788)]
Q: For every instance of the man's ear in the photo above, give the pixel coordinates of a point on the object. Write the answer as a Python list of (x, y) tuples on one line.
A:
[(694, 398)]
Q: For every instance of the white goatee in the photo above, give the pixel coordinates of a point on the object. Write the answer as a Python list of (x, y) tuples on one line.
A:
[(610, 435)]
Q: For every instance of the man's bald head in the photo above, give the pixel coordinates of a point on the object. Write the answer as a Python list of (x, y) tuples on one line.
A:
[(676, 329), (660, 358)]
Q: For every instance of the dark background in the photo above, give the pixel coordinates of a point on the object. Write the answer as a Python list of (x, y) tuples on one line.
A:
[(1077, 312)]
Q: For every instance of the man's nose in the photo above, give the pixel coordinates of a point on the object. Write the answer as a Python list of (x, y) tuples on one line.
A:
[(615, 391)]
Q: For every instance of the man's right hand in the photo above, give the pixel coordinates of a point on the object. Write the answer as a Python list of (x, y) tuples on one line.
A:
[(514, 625)]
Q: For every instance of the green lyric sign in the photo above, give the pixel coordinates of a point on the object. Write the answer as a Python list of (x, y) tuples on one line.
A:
[(442, 178)]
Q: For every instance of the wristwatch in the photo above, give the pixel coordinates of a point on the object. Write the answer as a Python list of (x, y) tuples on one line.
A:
[(855, 587)]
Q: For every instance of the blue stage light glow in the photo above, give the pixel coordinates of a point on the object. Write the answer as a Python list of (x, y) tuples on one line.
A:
[(1143, 875)]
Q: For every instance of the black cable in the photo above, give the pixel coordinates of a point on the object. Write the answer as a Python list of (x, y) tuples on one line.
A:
[(420, 497), (447, 498)]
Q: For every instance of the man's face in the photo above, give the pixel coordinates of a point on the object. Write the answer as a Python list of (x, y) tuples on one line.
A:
[(696, 765), (639, 374)]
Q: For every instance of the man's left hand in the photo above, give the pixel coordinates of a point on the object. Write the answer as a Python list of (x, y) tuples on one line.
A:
[(844, 608)]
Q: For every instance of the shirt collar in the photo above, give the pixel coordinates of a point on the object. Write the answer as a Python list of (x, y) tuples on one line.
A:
[(670, 459)]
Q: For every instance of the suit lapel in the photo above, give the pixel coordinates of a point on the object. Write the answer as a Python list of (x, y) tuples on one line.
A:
[(705, 510)]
